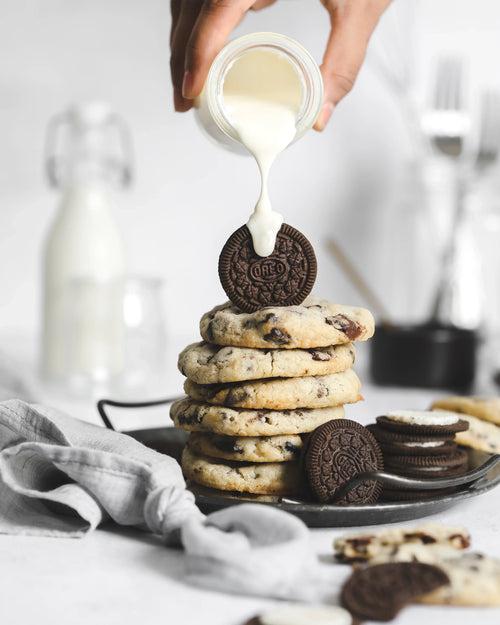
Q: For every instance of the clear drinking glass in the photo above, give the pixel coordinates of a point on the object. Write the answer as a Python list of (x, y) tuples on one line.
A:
[(144, 336), (114, 337)]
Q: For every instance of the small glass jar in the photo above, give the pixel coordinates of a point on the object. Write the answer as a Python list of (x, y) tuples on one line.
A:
[(210, 110)]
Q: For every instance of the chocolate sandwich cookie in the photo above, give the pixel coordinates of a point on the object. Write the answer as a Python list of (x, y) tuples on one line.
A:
[(379, 592), (336, 452), (428, 466), (423, 422), (284, 278), (400, 445)]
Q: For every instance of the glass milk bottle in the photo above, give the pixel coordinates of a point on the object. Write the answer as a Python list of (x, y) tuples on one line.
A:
[(252, 57), (87, 158)]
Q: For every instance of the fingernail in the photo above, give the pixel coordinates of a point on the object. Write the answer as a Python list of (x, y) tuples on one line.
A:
[(187, 84), (324, 116)]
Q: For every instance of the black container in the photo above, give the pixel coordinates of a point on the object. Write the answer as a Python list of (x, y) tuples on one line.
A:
[(426, 356)]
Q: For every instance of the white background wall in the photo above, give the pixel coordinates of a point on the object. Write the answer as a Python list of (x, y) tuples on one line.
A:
[(189, 195)]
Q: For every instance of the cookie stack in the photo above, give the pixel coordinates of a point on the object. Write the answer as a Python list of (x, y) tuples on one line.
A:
[(420, 444), (257, 384)]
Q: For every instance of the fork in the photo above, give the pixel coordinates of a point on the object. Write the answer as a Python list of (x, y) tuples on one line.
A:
[(447, 123), (489, 131), (447, 126)]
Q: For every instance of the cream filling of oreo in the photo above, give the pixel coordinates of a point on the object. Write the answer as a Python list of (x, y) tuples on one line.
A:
[(262, 96), (423, 417), (306, 615), (426, 444)]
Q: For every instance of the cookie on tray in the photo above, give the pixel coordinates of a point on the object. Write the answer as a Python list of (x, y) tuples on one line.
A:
[(315, 323), (400, 444), (281, 394), (246, 448), (484, 408), (448, 465), (422, 422), (335, 453), (275, 478), (205, 363), (481, 435), (195, 416)]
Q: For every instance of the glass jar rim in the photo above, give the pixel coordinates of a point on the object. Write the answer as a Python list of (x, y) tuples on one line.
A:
[(310, 74)]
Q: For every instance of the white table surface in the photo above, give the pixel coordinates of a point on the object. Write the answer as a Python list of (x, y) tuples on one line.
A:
[(124, 577)]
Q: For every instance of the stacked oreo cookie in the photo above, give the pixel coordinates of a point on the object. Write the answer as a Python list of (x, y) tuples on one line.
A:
[(257, 384), (420, 444)]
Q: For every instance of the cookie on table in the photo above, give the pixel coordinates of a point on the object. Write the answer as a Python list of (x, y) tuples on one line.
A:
[(422, 422), (474, 581), (481, 435), (370, 546), (205, 363), (379, 592), (281, 394), (315, 323), (484, 408), (247, 448), (275, 478), (194, 416)]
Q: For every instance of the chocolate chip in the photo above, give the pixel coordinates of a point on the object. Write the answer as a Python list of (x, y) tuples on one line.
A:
[(235, 396), (340, 322), (320, 355), (280, 337)]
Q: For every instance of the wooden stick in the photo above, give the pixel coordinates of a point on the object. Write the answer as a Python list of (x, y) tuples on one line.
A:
[(357, 280)]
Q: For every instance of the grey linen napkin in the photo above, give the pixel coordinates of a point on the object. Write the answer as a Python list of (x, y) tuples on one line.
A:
[(63, 477)]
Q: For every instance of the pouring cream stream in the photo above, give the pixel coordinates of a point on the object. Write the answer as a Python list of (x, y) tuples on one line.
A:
[(262, 95)]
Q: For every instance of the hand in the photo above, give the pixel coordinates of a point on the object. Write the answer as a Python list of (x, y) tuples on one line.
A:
[(200, 29), (352, 23)]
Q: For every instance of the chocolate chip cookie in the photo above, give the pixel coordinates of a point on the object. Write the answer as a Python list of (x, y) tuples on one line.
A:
[(484, 408), (380, 546), (315, 323), (196, 416), (272, 478), (205, 363), (246, 448), (281, 394)]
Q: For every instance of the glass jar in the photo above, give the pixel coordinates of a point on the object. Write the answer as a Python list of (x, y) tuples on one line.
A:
[(209, 107)]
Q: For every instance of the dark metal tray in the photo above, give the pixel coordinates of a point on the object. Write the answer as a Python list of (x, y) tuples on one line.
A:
[(171, 441)]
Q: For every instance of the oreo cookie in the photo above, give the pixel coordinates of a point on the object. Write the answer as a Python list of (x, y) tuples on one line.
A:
[(379, 592), (284, 278), (422, 423), (336, 452), (430, 467), (400, 445), (390, 436)]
